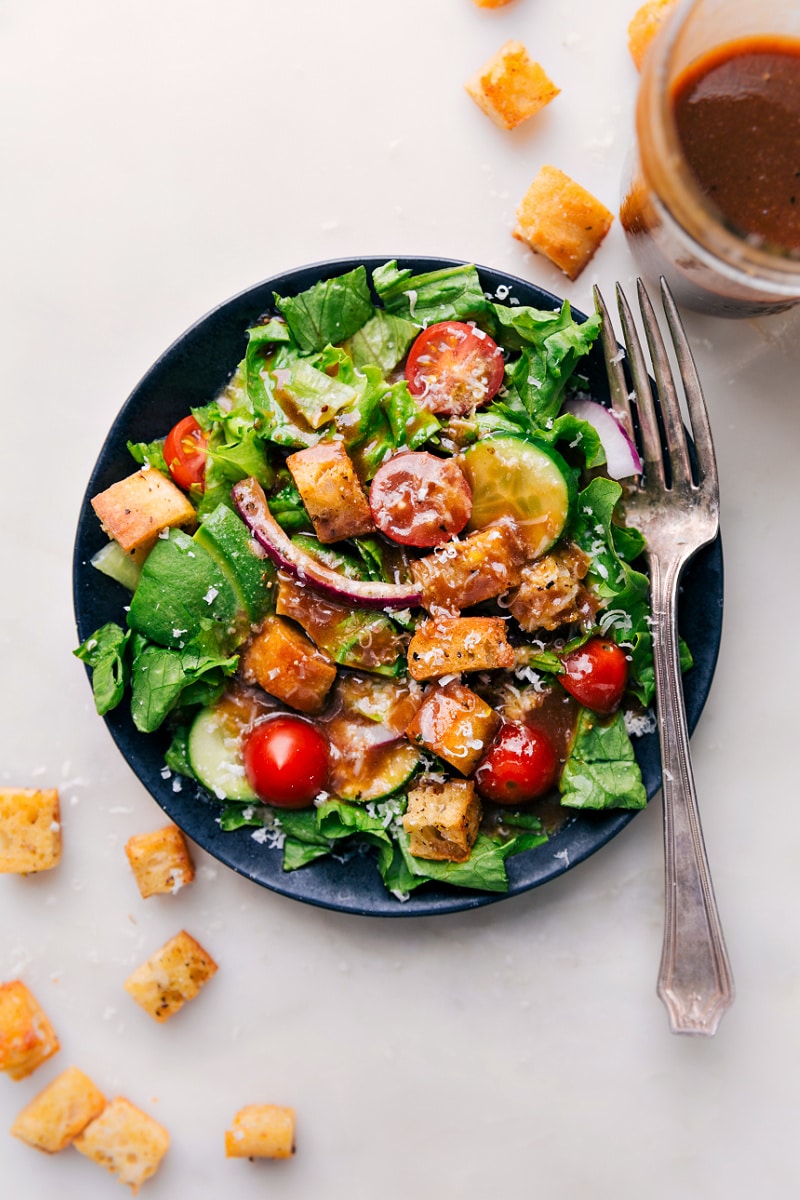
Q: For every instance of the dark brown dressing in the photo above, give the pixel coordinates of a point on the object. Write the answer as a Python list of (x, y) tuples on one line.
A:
[(737, 112)]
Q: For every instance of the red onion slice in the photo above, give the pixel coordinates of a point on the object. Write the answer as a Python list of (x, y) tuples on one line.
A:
[(251, 505), (622, 457)]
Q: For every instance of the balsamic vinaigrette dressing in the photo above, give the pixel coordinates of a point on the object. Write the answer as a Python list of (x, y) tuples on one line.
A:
[(737, 111)]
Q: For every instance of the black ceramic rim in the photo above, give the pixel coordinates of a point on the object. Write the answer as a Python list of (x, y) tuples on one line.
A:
[(190, 373)]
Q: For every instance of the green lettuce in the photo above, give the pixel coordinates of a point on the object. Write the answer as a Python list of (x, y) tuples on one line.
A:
[(105, 651), (329, 312), (601, 770)]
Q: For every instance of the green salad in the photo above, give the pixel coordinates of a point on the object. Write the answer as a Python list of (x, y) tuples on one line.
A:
[(380, 593)]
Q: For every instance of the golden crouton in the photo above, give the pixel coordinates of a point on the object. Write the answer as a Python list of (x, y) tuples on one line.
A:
[(171, 976), (58, 1114), (561, 220), (27, 1039), (551, 593), (160, 861), (135, 510), (261, 1131), (461, 574), (448, 645), (646, 23), (331, 491), (455, 724), (510, 88), (126, 1141), (287, 664), (442, 820), (30, 830)]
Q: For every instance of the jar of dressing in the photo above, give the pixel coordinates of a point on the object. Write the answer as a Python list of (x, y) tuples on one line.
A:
[(712, 195)]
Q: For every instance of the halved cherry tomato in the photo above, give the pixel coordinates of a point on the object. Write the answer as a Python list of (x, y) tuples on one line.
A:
[(520, 765), (596, 674), (418, 499), (185, 449), (286, 761), (454, 367)]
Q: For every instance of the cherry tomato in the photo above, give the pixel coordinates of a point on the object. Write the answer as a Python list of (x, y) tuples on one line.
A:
[(596, 674), (520, 765), (286, 761), (453, 367), (418, 499), (185, 453)]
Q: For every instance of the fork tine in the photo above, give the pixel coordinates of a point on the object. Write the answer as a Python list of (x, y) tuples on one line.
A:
[(617, 383), (698, 413), (648, 423), (667, 392)]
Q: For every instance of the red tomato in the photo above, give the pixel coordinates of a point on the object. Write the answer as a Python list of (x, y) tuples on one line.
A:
[(286, 761), (520, 765), (418, 499), (596, 675), (185, 453), (453, 367)]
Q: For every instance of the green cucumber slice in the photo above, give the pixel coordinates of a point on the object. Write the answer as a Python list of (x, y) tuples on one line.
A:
[(525, 480), (215, 755), (393, 768)]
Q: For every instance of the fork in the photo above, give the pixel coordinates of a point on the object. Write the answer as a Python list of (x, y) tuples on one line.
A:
[(675, 505)]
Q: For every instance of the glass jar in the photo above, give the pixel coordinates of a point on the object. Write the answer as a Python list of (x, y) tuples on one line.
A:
[(673, 228)]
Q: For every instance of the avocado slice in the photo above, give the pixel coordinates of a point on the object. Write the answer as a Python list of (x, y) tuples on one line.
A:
[(229, 542), (183, 593)]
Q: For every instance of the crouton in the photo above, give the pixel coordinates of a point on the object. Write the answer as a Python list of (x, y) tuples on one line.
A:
[(455, 724), (160, 861), (136, 509), (646, 23), (550, 592), (331, 491), (261, 1131), (126, 1141), (448, 645), (561, 220), (287, 664), (510, 88), (442, 820), (59, 1113), (27, 1039), (463, 573), (171, 976), (30, 830)]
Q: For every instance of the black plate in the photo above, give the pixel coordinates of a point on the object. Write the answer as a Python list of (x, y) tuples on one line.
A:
[(189, 374)]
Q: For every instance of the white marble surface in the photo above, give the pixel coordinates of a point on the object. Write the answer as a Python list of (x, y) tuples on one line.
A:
[(157, 158)]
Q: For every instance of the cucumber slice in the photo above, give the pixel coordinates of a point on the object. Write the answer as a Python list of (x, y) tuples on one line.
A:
[(392, 768), (371, 757), (119, 565), (525, 480), (215, 754)]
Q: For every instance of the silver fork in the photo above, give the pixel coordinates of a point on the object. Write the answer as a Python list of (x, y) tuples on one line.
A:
[(677, 510)]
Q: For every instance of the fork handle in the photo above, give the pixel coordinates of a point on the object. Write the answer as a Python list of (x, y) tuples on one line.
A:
[(695, 980)]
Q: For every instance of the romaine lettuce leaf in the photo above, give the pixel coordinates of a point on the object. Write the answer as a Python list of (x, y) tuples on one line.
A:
[(329, 312), (105, 651), (449, 294), (601, 770), (382, 342)]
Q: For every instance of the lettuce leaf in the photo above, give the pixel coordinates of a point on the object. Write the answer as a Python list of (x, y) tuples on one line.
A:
[(449, 294), (105, 652), (329, 312), (601, 770)]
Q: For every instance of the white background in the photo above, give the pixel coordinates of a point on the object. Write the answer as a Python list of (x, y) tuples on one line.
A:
[(158, 157)]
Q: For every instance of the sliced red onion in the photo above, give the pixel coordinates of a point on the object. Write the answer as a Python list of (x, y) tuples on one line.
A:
[(251, 505), (622, 457)]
